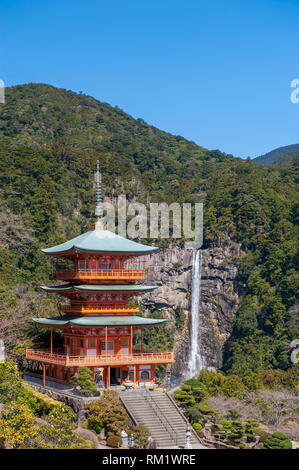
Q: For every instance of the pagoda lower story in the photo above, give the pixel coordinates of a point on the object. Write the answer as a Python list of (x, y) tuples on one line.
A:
[(107, 351)]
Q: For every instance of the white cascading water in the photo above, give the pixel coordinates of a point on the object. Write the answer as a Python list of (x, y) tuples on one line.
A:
[(195, 358)]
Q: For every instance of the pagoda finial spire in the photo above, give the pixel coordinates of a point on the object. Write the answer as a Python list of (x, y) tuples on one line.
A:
[(99, 206)]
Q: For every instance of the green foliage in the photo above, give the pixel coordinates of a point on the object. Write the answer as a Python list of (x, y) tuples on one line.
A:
[(245, 323), (14, 390), (179, 317), (232, 386), (213, 381), (197, 426), (95, 423), (233, 415), (191, 397), (206, 409), (114, 441), (278, 440), (141, 435), (18, 428), (251, 426), (184, 397), (107, 412), (10, 384), (263, 435), (82, 381), (234, 431)]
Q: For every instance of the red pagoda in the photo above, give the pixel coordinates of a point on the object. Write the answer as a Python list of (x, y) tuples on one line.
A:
[(97, 321)]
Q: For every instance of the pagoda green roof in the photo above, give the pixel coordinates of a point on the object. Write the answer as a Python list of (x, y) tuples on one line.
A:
[(98, 321), (98, 288), (100, 241)]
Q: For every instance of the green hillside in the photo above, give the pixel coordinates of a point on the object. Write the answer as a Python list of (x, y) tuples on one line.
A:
[(50, 140), (286, 159), (281, 156)]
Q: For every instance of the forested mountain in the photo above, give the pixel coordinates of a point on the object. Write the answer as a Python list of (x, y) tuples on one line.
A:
[(281, 156), (50, 140)]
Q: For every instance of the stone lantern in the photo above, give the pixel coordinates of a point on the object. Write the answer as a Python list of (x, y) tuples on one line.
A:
[(188, 435)]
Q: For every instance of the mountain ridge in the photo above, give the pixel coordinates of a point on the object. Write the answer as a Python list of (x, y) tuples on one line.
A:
[(281, 156)]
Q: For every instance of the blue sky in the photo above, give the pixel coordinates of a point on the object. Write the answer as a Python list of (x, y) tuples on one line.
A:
[(215, 72)]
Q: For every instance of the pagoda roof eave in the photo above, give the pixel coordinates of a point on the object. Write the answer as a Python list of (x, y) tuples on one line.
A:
[(100, 242), (84, 321), (68, 288)]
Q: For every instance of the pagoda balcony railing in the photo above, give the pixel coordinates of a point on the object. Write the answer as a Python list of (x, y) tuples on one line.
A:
[(46, 357), (101, 274), (99, 308)]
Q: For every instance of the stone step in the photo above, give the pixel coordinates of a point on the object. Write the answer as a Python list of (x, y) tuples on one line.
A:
[(150, 409)]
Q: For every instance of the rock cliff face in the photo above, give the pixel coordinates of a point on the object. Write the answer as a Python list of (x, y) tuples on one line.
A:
[(171, 270)]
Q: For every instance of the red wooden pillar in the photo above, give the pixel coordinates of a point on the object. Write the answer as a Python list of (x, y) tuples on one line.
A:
[(152, 374), (106, 342), (108, 377), (134, 377), (51, 342), (44, 375)]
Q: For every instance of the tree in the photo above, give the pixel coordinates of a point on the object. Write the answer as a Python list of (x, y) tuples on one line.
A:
[(109, 411), (234, 431), (233, 415), (141, 435), (278, 440), (184, 397), (245, 322), (83, 382), (251, 426)]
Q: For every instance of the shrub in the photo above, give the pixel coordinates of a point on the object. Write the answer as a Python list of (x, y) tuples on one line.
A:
[(251, 425), (212, 380), (206, 409), (278, 440), (108, 411), (42, 405), (193, 413), (114, 441), (94, 423), (232, 385), (10, 384), (263, 435), (13, 389), (18, 427), (141, 435), (183, 397), (234, 431), (233, 414), (197, 426)]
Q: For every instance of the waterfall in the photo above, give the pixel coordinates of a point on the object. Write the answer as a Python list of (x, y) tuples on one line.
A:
[(195, 358)]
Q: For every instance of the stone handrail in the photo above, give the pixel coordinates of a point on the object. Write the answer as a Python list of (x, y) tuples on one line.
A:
[(160, 415)]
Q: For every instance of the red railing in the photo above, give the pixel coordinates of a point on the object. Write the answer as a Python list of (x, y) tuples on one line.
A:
[(101, 274), (45, 356), (99, 308)]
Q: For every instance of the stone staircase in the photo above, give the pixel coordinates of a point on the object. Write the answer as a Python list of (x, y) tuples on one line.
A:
[(158, 412)]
